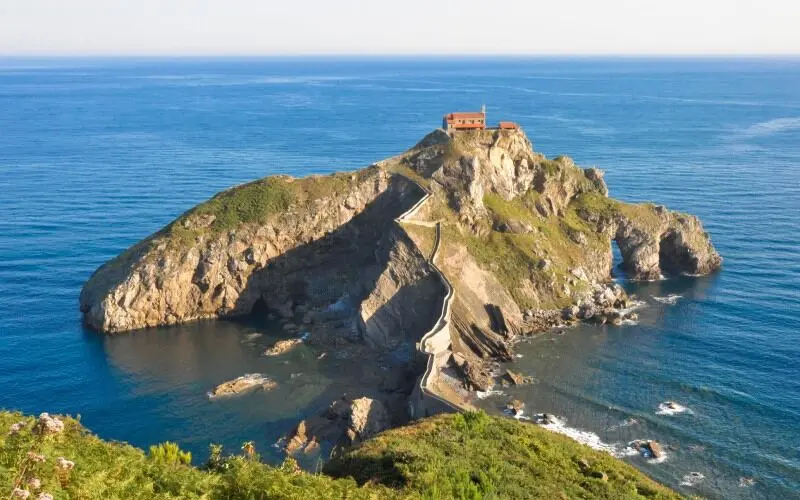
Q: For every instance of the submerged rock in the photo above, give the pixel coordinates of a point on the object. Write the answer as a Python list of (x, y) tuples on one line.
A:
[(245, 383)]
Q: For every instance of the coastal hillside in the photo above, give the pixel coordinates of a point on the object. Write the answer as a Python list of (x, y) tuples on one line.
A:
[(467, 456)]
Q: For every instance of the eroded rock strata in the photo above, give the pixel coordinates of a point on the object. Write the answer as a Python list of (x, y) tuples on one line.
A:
[(524, 241)]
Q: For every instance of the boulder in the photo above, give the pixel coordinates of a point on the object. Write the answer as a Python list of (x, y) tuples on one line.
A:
[(547, 419), (297, 439), (368, 417), (282, 346), (570, 313), (513, 226), (655, 449), (587, 311), (649, 448), (245, 383), (515, 407), (344, 423), (48, 425), (515, 378)]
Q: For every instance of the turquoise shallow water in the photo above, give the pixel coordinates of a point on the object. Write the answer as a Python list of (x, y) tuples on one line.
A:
[(97, 154)]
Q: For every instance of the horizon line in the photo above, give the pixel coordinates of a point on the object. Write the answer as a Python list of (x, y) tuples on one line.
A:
[(399, 55)]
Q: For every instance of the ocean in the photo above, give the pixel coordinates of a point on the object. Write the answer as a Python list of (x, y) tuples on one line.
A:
[(96, 154)]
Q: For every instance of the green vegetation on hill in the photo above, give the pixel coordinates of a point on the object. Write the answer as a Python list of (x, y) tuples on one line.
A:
[(257, 201), (251, 202), (466, 456), (514, 257), (472, 455), (110, 471)]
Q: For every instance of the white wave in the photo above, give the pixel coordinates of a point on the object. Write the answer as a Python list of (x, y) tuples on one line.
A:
[(746, 482), (588, 438), (626, 452), (489, 393), (636, 304), (692, 479), (629, 322), (672, 408), (518, 356), (770, 127), (625, 423), (519, 415), (670, 299), (252, 336)]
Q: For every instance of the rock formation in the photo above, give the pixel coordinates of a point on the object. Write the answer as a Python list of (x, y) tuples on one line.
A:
[(282, 346), (345, 423), (245, 383), (524, 241)]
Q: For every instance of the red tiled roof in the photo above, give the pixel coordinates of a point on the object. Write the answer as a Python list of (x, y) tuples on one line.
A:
[(468, 115)]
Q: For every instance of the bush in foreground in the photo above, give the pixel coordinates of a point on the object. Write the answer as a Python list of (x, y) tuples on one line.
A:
[(467, 456)]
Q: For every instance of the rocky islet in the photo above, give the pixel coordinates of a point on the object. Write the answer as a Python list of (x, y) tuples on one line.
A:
[(524, 241)]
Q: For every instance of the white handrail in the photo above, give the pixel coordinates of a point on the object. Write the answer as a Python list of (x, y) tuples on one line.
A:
[(444, 317)]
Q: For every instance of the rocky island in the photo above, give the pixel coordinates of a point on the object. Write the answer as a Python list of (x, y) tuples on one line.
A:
[(450, 250)]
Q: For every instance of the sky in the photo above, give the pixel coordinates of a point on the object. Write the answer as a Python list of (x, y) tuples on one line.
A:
[(289, 27)]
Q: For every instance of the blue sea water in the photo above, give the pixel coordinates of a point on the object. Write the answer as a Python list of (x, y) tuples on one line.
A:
[(96, 154)]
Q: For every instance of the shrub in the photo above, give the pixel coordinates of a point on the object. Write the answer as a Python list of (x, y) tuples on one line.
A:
[(169, 454)]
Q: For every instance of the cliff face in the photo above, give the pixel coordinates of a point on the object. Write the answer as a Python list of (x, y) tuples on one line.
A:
[(544, 227), (307, 241)]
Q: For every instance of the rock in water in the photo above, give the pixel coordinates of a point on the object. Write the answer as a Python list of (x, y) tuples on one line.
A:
[(243, 384), (282, 346), (515, 407), (655, 449), (515, 378), (298, 439)]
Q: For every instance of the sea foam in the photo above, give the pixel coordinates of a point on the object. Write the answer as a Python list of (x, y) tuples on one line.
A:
[(669, 299), (671, 408), (489, 393), (590, 439), (692, 479)]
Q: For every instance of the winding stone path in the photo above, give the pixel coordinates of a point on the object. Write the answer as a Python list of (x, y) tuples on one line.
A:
[(430, 396)]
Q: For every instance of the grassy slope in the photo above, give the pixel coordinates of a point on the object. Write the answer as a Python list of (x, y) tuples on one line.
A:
[(513, 257), (456, 456), (472, 455), (109, 470), (257, 201)]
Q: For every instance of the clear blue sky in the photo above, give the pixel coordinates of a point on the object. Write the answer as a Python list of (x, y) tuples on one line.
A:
[(211, 27)]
